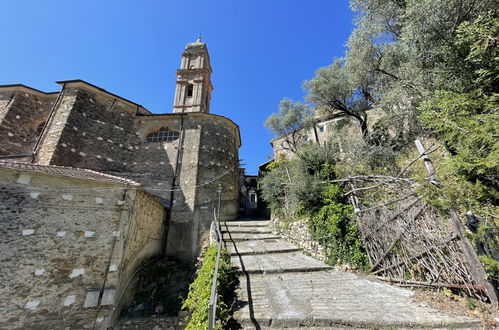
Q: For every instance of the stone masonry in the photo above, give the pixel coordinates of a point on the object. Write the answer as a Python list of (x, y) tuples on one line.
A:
[(70, 240), (88, 127), (280, 287), (94, 186)]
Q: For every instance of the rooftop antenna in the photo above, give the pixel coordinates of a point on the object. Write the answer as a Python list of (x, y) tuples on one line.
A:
[(199, 36)]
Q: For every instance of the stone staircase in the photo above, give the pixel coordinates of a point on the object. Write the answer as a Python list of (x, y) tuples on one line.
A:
[(280, 287)]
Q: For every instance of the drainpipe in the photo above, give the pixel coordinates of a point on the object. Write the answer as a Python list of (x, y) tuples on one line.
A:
[(168, 216)]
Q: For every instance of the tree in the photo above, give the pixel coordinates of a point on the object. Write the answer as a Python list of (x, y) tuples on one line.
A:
[(291, 123), (331, 89)]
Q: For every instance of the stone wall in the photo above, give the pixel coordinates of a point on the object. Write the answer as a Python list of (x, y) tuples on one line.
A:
[(93, 129), (69, 245), (143, 241), (342, 130), (297, 232), (209, 157), (23, 111), (157, 323)]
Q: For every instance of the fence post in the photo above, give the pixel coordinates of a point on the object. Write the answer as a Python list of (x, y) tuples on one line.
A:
[(476, 268)]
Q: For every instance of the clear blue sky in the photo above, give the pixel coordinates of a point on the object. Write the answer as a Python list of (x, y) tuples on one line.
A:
[(261, 51)]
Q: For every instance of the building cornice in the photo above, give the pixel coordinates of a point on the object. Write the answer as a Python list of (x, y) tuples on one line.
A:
[(82, 83), (18, 87), (193, 114)]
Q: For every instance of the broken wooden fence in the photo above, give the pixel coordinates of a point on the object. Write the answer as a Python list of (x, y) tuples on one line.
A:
[(410, 242)]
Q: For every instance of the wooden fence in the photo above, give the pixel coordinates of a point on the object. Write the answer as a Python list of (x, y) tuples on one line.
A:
[(410, 242)]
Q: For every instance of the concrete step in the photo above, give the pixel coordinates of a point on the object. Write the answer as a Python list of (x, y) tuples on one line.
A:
[(277, 263), (266, 246), (231, 229), (335, 299), (245, 223), (236, 237)]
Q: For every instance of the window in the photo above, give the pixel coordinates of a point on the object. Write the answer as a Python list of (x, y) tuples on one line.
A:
[(164, 134), (253, 198), (190, 88)]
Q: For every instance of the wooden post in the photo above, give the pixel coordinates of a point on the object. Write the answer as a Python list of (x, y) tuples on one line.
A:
[(426, 159), (476, 268), (427, 163)]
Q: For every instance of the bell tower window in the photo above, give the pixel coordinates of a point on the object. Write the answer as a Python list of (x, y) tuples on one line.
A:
[(190, 89)]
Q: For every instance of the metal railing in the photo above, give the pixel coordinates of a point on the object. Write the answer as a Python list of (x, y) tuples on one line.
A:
[(214, 294)]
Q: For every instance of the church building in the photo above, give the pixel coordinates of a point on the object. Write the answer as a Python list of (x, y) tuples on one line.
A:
[(93, 185)]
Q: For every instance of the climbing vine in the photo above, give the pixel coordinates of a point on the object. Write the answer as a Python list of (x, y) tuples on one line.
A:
[(198, 299), (335, 227)]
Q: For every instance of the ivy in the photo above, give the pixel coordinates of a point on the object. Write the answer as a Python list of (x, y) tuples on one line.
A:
[(335, 227), (198, 299)]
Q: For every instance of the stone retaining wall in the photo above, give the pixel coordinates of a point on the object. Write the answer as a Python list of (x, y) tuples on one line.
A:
[(153, 323), (297, 232)]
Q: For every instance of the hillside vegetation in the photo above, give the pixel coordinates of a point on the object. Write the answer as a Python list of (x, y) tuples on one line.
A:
[(432, 68)]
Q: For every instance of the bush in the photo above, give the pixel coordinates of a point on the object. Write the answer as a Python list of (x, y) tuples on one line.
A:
[(295, 187), (335, 227), (198, 299)]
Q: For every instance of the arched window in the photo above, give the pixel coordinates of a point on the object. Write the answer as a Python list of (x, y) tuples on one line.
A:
[(164, 134), (190, 89)]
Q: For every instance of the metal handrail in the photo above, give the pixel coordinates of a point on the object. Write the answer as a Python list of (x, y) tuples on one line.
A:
[(214, 293)]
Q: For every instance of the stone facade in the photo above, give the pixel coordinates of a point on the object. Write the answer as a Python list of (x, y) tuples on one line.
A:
[(249, 196), (23, 113), (154, 193), (88, 127), (337, 128), (70, 241)]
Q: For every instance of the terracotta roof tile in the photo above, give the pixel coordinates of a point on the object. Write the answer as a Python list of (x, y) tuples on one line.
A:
[(73, 172)]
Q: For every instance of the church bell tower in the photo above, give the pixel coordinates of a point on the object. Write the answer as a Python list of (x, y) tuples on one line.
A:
[(193, 90)]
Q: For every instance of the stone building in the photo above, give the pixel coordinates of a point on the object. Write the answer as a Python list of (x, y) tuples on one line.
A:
[(122, 183), (249, 197), (336, 127)]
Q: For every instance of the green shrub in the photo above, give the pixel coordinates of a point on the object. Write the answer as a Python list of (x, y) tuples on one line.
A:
[(198, 299), (335, 227)]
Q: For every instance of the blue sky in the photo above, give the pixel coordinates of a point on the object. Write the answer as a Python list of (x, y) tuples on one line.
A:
[(261, 51)]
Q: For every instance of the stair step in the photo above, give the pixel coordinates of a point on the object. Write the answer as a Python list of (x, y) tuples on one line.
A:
[(259, 247), (254, 230), (277, 263), (335, 299), (250, 223), (247, 237)]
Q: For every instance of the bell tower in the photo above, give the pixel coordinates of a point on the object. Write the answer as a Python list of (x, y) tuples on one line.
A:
[(193, 89)]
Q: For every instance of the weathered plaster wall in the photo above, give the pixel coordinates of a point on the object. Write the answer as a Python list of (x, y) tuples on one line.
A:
[(22, 112), (68, 246)]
